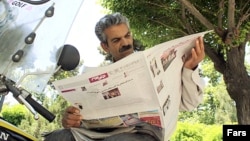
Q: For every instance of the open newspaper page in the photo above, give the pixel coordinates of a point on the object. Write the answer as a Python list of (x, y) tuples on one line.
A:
[(145, 86), (165, 62), (120, 88)]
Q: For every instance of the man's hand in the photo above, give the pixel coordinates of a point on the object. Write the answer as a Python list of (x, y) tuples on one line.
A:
[(196, 56), (71, 117)]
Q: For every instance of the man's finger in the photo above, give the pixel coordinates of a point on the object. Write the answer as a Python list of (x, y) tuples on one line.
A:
[(201, 43), (72, 110), (67, 123)]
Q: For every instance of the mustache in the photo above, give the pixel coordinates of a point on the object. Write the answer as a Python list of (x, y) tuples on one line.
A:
[(125, 48)]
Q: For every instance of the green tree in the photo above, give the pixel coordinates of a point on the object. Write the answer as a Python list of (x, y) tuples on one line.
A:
[(38, 127), (197, 132), (14, 114), (156, 21), (216, 108)]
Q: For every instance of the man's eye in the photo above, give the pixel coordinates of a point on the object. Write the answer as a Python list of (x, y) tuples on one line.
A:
[(115, 41), (128, 35)]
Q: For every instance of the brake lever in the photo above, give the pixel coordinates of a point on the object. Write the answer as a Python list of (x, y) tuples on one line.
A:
[(25, 98), (19, 96), (22, 100)]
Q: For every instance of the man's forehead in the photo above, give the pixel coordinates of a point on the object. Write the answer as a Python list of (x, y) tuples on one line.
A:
[(116, 31)]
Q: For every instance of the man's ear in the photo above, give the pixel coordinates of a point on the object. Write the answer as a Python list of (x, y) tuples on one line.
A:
[(105, 47)]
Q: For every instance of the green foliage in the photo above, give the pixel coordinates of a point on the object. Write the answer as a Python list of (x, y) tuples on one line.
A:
[(208, 71), (218, 100), (37, 127), (14, 114), (21, 117), (248, 68), (217, 107), (154, 22), (197, 132), (247, 63), (56, 105)]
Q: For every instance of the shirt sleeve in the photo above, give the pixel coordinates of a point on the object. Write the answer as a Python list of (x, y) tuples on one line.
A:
[(192, 89)]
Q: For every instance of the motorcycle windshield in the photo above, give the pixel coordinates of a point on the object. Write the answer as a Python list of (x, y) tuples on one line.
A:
[(38, 59)]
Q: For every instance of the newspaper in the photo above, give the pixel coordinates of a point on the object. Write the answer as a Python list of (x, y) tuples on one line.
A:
[(144, 86)]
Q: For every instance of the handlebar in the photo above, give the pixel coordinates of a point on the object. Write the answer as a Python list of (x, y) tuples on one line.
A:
[(26, 98), (40, 109)]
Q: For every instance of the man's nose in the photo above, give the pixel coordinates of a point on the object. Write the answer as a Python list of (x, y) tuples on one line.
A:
[(124, 42)]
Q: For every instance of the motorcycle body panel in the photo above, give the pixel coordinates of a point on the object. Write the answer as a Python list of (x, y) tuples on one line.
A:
[(9, 132)]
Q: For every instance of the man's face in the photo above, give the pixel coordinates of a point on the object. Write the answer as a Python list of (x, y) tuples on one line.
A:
[(119, 41)]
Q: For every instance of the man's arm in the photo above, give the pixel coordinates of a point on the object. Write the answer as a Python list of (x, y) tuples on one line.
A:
[(192, 89), (192, 84)]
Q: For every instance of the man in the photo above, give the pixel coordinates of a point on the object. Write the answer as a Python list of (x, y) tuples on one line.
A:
[(115, 36)]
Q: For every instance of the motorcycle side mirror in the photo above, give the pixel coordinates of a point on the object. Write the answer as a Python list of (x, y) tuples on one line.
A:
[(69, 57)]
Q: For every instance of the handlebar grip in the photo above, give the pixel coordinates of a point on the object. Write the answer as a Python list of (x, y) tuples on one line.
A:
[(40, 109)]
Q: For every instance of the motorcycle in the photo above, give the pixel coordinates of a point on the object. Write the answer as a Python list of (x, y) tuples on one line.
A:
[(9, 132), (28, 62)]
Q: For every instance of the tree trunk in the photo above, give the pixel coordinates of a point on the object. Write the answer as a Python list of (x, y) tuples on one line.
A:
[(243, 108), (239, 91), (237, 83)]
